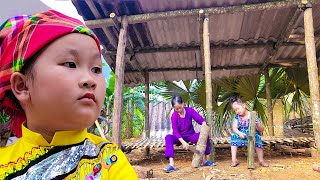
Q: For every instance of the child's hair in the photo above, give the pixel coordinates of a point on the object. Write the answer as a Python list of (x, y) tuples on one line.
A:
[(176, 99), (235, 100)]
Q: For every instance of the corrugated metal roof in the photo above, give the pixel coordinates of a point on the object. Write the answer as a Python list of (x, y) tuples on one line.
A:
[(228, 29)]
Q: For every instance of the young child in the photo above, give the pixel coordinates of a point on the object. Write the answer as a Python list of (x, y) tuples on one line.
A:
[(240, 124), (52, 87)]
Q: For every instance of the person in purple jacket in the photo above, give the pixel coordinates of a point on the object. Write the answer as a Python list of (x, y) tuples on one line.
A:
[(183, 132)]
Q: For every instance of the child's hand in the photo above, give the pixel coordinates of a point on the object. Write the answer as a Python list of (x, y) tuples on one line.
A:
[(242, 135)]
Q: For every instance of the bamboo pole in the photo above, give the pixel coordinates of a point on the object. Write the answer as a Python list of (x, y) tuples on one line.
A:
[(195, 47), (99, 129), (201, 145), (251, 139), (208, 78), (146, 121), (312, 74), (118, 90), (106, 128), (269, 102), (141, 18), (216, 68), (201, 19)]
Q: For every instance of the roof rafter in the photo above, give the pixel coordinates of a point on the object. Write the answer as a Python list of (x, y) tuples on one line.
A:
[(193, 47), (283, 37), (141, 18)]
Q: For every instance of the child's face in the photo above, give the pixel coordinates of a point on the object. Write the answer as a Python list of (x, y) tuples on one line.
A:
[(68, 87), (239, 108)]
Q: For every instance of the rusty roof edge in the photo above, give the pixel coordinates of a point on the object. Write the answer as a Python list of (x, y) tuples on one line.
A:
[(141, 18), (196, 46)]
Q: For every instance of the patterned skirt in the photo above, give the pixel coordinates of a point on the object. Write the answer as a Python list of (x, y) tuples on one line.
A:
[(237, 141)]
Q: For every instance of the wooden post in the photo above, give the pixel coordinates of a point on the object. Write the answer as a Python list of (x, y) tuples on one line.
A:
[(208, 78), (269, 102), (201, 145), (312, 73), (251, 139), (201, 19), (146, 102), (118, 89)]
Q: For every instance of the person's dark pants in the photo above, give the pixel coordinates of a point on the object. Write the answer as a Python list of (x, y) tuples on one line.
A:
[(171, 140)]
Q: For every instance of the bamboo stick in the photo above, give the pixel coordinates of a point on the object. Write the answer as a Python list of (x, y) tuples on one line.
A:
[(251, 139), (201, 145), (146, 121), (269, 102), (216, 46), (208, 78), (201, 19), (100, 130), (312, 74), (118, 90)]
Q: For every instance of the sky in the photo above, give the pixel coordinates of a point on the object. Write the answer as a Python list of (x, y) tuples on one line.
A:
[(64, 6)]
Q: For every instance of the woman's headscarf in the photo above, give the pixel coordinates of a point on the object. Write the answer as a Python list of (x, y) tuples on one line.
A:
[(21, 37)]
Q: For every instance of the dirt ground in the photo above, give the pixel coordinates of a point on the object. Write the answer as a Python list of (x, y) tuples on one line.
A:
[(281, 166)]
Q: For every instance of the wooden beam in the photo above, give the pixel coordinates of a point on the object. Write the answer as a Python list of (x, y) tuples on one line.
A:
[(283, 37), (146, 103), (146, 122), (141, 18), (300, 37), (195, 47), (132, 60), (312, 73), (216, 68), (118, 90), (269, 102), (115, 21)]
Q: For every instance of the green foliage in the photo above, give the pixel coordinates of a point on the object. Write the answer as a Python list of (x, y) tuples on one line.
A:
[(3, 118), (289, 85), (133, 106)]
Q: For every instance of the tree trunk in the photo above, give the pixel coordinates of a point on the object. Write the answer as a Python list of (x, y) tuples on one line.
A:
[(251, 139), (118, 90), (201, 145), (312, 74)]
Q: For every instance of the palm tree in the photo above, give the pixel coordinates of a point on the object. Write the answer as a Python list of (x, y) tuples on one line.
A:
[(289, 85)]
